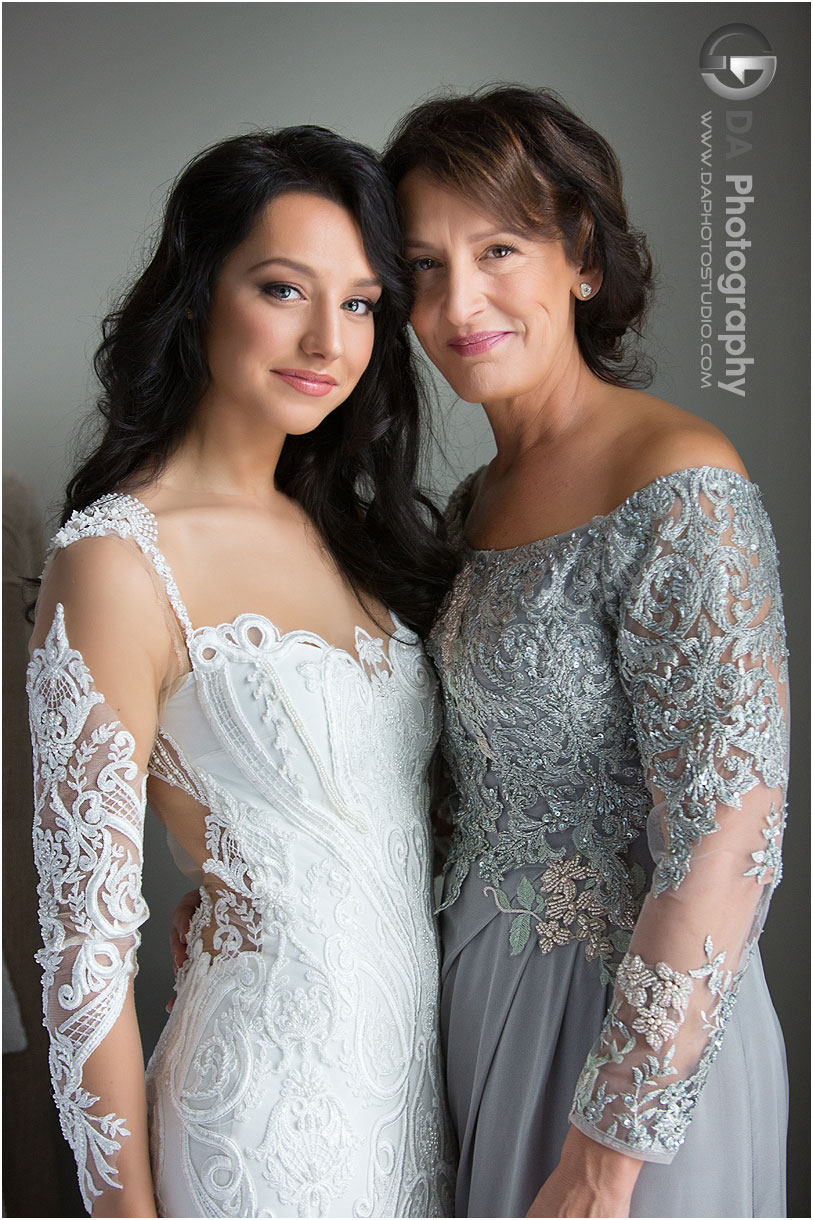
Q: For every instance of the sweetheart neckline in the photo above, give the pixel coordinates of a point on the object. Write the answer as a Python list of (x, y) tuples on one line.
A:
[(316, 640), (191, 632)]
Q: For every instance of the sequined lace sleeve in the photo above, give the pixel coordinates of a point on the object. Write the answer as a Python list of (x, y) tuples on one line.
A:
[(701, 652)]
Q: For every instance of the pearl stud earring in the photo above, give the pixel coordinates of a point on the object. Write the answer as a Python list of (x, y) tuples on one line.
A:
[(585, 290)]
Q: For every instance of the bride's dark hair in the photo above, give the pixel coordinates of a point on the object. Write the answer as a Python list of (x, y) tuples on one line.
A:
[(355, 473)]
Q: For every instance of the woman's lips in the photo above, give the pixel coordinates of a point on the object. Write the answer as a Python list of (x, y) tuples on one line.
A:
[(472, 345), (315, 384)]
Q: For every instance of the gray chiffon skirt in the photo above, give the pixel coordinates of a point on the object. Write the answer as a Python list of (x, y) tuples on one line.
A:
[(517, 1031)]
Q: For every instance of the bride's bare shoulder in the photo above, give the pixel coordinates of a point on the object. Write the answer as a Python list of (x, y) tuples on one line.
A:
[(106, 587)]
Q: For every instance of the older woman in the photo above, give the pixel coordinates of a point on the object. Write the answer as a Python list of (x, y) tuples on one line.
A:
[(613, 661)]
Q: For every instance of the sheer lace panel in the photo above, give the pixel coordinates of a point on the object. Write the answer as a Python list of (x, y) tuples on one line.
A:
[(702, 655), (207, 829), (88, 827)]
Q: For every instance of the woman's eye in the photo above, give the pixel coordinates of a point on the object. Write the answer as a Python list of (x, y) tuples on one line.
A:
[(281, 292), (423, 264), (501, 251), (360, 306)]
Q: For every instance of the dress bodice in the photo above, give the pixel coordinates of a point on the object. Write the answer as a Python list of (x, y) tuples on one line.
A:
[(539, 729), (272, 731), (334, 743)]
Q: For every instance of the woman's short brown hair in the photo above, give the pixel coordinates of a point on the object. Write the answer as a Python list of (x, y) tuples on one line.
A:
[(522, 155)]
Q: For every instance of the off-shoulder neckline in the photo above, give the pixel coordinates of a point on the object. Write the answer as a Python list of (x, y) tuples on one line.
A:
[(468, 483)]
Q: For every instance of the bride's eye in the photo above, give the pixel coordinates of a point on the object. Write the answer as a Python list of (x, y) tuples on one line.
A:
[(360, 306), (281, 292)]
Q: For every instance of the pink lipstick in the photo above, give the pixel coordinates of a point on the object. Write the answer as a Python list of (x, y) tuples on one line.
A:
[(315, 384), (472, 345)]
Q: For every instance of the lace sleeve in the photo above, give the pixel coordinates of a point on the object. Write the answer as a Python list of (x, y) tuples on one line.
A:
[(88, 826), (701, 652), (103, 654)]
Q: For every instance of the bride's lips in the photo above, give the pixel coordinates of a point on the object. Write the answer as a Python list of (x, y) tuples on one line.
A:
[(472, 345), (316, 384)]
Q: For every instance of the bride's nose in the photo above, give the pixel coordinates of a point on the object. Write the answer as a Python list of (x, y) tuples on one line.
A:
[(323, 333)]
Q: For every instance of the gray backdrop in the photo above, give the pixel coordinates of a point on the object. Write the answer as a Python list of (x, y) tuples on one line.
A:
[(105, 102)]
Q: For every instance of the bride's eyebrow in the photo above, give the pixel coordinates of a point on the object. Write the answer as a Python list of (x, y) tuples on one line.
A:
[(304, 269)]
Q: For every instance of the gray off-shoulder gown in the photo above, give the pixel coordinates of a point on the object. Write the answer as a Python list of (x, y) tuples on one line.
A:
[(616, 728)]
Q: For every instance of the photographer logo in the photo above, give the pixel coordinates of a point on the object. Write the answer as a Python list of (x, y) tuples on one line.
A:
[(730, 57)]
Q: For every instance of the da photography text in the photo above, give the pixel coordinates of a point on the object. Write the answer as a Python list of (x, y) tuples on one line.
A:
[(736, 64)]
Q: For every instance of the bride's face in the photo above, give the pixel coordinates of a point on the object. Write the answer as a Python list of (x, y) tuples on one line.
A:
[(493, 310), (290, 328)]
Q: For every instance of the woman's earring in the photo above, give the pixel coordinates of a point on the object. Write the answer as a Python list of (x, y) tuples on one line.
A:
[(585, 291)]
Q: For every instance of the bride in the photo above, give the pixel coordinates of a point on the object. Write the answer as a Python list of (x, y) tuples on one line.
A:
[(259, 399)]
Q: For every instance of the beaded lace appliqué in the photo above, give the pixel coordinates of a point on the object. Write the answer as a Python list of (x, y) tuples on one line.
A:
[(564, 904), (128, 518), (537, 733), (644, 649), (297, 991), (307, 1009), (88, 823), (652, 1110)]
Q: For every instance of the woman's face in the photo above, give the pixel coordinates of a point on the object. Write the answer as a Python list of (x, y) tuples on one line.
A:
[(493, 310), (290, 327)]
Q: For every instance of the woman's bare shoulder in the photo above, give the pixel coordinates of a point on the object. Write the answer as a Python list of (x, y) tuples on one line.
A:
[(104, 585), (659, 438)]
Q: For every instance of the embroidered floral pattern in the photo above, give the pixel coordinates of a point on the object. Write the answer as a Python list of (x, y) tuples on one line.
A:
[(768, 861), (88, 819), (309, 1148), (650, 1115), (300, 1069), (672, 989), (639, 656), (537, 729), (565, 904)]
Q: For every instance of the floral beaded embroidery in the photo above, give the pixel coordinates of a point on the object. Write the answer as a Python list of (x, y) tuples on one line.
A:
[(564, 904), (769, 859), (651, 1115)]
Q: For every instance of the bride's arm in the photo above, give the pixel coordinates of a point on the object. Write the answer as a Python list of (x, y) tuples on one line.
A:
[(100, 652)]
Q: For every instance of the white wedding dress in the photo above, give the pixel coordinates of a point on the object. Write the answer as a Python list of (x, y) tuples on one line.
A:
[(299, 1072)]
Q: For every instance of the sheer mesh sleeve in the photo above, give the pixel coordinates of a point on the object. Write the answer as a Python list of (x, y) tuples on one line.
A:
[(701, 652)]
